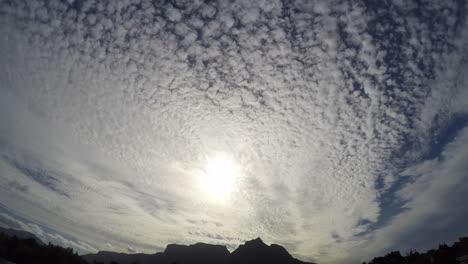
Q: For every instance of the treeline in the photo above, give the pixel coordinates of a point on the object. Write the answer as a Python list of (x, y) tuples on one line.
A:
[(28, 251), (443, 255)]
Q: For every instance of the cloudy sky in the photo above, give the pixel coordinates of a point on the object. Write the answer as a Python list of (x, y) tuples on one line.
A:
[(338, 129)]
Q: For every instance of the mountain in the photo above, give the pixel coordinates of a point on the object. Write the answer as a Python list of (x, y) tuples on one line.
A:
[(254, 251), (199, 253), (28, 251), (122, 258), (20, 234), (444, 254)]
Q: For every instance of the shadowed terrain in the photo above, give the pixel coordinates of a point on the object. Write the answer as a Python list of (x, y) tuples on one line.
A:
[(21, 247), (254, 251)]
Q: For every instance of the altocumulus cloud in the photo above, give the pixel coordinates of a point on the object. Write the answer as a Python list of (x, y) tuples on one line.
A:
[(109, 108)]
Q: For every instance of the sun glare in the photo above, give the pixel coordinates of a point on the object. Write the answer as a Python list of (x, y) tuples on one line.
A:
[(219, 177)]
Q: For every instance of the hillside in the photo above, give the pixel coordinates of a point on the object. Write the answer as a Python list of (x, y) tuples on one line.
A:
[(22, 247), (443, 255), (254, 251)]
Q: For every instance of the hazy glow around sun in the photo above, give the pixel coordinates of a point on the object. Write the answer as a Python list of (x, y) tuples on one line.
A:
[(219, 177)]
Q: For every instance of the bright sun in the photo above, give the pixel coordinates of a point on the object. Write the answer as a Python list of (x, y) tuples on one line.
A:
[(219, 177)]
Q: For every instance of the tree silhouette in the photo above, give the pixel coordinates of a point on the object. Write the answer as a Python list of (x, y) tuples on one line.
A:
[(443, 255), (28, 251)]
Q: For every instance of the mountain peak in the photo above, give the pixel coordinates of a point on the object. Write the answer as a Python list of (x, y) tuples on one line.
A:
[(254, 251), (257, 242)]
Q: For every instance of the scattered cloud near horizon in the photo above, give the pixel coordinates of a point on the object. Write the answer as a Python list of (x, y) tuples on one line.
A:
[(346, 122), (7, 221)]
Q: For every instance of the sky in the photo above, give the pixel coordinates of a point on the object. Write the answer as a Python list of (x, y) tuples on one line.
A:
[(338, 129)]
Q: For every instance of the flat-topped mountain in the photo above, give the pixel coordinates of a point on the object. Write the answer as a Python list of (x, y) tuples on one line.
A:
[(122, 258), (254, 251), (198, 253)]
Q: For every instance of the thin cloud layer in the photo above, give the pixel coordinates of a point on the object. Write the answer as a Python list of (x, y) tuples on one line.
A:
[(109, 109), (57, 239)]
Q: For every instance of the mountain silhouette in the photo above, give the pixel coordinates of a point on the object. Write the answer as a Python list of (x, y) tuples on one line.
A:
[(122, 258), (199, 253), (27, 250), (256, 251), (253, 251), (22, 247), (20, 234)]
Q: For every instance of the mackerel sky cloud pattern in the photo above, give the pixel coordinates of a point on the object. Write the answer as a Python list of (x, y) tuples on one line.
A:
[(348, 121)]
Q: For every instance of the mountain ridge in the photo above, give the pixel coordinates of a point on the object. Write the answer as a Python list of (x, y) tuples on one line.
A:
[(252, 251), (20, 234)]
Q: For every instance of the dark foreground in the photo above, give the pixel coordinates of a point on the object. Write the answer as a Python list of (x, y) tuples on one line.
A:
[(20, 247), (29, 250), (455, 254)]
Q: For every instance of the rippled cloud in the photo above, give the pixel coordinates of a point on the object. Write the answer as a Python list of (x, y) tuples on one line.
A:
[(329, 108)]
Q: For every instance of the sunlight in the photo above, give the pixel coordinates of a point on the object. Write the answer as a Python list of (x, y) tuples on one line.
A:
[(219, 177)]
